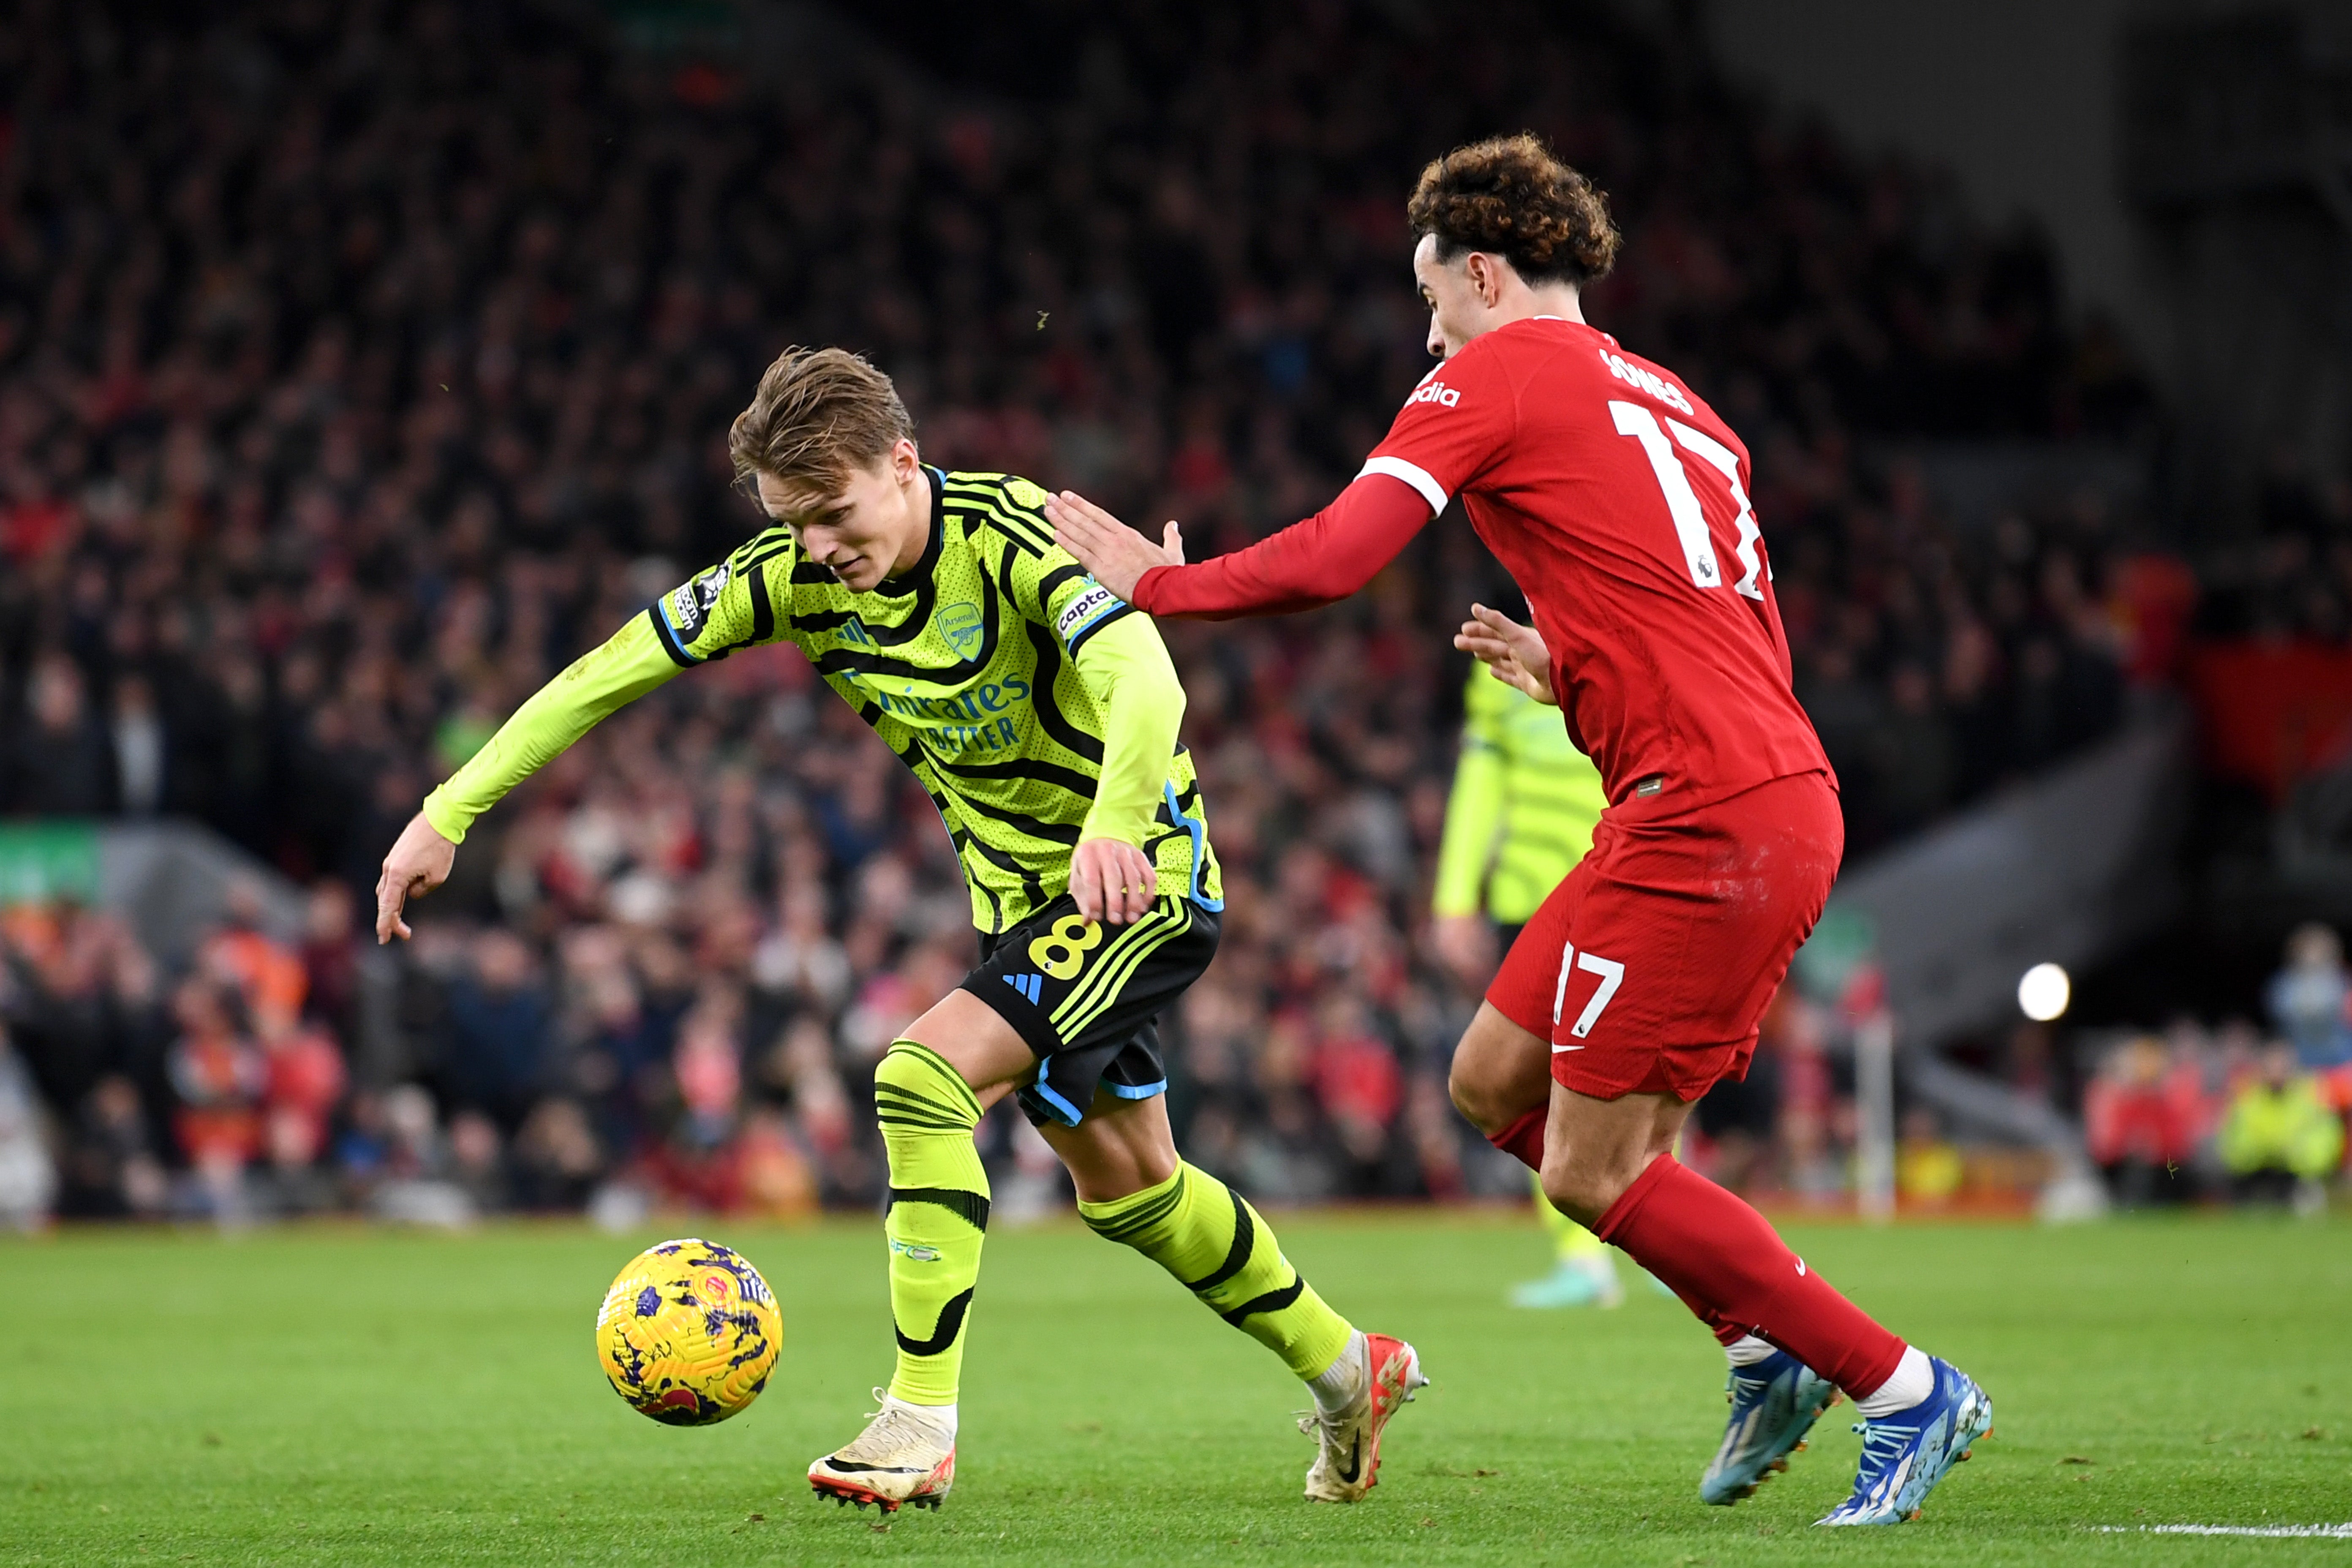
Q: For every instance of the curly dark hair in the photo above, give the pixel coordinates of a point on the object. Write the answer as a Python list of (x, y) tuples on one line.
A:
[(1511, 197)]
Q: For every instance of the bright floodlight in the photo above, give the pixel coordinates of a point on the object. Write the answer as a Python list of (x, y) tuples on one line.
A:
[(2044, 992)]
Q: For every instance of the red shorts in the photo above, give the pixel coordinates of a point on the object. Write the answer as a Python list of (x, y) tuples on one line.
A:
[(1651, 964)]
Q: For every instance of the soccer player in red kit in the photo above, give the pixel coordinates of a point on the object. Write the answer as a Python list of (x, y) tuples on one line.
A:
[(1619, 502)]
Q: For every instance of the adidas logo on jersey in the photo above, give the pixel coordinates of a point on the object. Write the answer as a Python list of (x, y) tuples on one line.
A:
[(1435, 392), (1656, 385), (1029, 985)]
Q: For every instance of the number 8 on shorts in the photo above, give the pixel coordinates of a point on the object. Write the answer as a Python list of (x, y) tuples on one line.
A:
[(1063, 950)]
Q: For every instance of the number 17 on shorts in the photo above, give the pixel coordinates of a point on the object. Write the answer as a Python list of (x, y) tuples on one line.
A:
[(1572, 963)]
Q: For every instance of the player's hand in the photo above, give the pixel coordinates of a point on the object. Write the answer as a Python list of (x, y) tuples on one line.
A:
[(1466, 945), (1111, 881), (1511, 652), (418, 863), (1114, 553)]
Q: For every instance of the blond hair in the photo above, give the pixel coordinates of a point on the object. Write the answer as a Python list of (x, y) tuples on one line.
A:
[(818, 414)]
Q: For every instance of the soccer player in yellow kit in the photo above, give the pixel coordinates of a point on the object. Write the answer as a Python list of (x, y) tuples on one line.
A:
[(1521, 814), (1040, 713)]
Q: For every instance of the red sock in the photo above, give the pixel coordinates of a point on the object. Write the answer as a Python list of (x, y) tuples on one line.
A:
[(1725, 1331), (1524, 1137), (1708, 1246)]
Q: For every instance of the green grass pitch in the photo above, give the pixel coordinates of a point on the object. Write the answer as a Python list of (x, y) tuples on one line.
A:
[(350, 1396)]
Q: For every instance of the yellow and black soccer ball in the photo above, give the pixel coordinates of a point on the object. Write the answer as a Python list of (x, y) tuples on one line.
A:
[(689, 1333)]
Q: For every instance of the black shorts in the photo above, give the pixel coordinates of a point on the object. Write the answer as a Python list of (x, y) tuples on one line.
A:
[(1085, 997)]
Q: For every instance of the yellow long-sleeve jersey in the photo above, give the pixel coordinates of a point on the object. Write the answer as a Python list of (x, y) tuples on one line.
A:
[(1524, 804)]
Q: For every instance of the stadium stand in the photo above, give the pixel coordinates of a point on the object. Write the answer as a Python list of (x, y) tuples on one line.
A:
[(359, 364)]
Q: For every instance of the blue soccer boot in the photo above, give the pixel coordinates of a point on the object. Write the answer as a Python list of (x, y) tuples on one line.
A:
[(1906, 1454), (1774, 1403)]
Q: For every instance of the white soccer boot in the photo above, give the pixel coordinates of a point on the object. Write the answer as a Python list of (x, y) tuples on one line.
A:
[(1348, 1464), (902, 1457)]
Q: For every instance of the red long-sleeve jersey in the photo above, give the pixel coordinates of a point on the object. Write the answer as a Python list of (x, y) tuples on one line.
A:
[(1618, 501)]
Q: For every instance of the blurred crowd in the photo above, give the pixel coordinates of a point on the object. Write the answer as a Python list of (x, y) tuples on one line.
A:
[(2291, 578), (359, 364), (2196, 1113)]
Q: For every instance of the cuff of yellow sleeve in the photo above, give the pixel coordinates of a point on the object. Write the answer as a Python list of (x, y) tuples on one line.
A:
[(446, 820), (1130, 831)]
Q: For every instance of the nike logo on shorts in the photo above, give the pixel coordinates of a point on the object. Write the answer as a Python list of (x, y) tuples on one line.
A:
[(1557, 1050)]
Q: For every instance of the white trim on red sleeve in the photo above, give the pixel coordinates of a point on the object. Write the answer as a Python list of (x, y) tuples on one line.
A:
[(1412, 474)]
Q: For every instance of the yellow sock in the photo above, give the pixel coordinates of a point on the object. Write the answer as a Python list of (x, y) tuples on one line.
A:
[(1199, 1230), (936, 1218)]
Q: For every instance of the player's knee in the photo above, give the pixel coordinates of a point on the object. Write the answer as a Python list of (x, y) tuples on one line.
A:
[(1499, 1072), (900, 1069), (1581, 1190), (909, 1073), (1566, 1191), (1463, 1086), (1483, 1096), (1123, 1147)]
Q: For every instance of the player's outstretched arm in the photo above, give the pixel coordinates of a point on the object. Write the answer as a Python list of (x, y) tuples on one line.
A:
[(1306, 566), (629, 664), (1512, 653), (1114, 553)]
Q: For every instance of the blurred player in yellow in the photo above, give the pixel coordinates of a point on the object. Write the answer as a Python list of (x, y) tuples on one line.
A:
[(1521, 814)]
